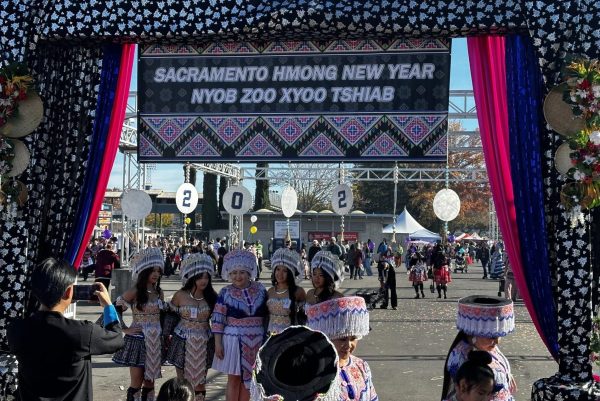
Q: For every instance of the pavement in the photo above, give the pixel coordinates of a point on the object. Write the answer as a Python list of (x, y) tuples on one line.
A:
[(406, 348)]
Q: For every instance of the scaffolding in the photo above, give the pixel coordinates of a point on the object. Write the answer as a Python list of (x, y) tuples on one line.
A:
[(136, 175)]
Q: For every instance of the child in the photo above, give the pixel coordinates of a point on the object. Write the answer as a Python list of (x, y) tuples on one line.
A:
[(475, 379), (176, 389), (418, 273)]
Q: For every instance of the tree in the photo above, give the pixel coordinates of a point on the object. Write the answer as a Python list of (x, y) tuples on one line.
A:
[(378, 197), (261, 194), (153, 220), (210, 208), (313, 183)]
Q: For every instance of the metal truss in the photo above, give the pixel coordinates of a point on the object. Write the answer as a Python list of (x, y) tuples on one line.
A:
[(461, 106), (354, 174), (222, 169)]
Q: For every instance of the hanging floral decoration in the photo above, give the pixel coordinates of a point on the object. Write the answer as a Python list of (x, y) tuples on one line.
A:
[(14, 83), (15, 88), (582, 93)]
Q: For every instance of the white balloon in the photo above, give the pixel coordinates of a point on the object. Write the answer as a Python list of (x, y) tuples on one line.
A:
[(446, 205), (136, 204), (289, 201), (186, 198), (237, 200), (253, 218), (342, 199)]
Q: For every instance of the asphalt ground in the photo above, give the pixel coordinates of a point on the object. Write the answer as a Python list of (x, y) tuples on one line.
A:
[(406, 348)]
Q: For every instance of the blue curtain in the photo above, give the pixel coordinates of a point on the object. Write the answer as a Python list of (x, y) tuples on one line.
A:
[(525, 97), (108, 84)]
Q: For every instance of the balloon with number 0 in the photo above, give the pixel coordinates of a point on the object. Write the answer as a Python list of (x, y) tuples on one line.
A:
[(237, 200)]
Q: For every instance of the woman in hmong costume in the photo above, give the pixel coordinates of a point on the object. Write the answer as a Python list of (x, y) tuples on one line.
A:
[(327, 273), (345, 321), (143, 339), (194, 304), (441, 270), (286, 299), (482, 321), (237, 323)]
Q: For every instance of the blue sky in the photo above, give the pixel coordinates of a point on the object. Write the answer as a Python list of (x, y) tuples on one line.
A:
[(169, 177)]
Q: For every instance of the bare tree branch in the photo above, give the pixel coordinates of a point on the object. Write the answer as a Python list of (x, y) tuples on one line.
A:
[(313, 183)]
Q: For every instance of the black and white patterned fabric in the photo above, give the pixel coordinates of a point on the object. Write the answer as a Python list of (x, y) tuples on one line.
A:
[(59, 147), (67, 80)]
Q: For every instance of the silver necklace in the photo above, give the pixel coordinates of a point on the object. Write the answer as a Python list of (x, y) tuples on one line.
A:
[(196, 299), (281, 292)]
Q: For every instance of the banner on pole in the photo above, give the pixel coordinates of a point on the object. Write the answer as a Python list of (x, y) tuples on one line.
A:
[(344, 100)]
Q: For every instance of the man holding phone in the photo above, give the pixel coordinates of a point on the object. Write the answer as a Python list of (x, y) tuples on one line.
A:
[(54, 352)]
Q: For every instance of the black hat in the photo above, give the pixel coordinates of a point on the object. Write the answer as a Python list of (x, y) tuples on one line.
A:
[(298, 364)]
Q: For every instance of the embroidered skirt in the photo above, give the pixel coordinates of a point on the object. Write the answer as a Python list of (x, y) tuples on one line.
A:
[(176, 352), (133, 352)]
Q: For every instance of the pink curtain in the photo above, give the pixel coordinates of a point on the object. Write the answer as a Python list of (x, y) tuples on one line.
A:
[(488, 72), (112, 143)]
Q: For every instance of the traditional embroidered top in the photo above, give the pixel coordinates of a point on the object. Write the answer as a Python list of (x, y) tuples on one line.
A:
[(279, 314), (356, 381), (148, 316), (240, 311), (238, 315), (418, 273), (500, 366), (193, 319)]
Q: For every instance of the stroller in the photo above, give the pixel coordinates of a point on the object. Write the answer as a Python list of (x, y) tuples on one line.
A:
[(460, 263)]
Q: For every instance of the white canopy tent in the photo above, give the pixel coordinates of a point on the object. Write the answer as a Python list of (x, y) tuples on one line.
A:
[(405, 224), (425, 235)]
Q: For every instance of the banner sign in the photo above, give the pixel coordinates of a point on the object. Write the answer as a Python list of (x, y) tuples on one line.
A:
[(346, 100), (105, 216), (350, 236), (280, 229)]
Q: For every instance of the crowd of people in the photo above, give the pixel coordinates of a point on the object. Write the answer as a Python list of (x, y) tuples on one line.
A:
[(198, 328)]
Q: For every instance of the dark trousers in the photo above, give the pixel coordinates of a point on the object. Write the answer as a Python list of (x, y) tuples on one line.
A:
[(390, 292), (389, 288), (484, 264), (259, 269)]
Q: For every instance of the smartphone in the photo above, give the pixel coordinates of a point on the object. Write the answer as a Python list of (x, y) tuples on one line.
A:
[(84, 292)]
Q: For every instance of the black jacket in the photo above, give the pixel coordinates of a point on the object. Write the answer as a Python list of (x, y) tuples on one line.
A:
[(312, 251), (54, 355)]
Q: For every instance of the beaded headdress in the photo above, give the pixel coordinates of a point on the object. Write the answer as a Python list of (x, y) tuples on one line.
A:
[(195, 264), (297, 364), (339, 317), (148, 258), (239, 259), (289, 259), (330, 264), (485, 316)]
